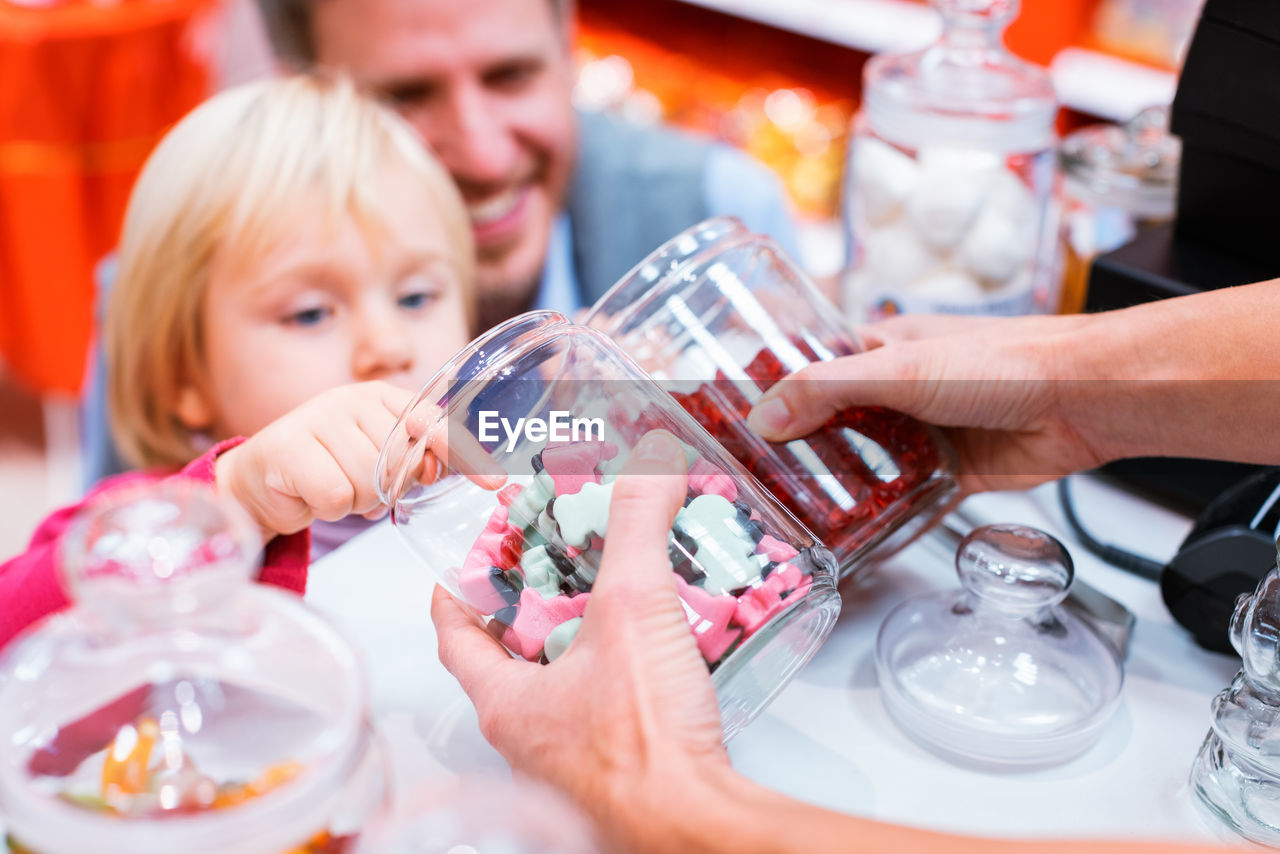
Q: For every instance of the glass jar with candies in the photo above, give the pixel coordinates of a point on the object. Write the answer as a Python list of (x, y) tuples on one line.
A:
[(951, 176), (177, 707), (551, 411), (718, 315)]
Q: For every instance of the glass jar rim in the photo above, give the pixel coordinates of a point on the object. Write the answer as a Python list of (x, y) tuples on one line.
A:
[(483, 359)]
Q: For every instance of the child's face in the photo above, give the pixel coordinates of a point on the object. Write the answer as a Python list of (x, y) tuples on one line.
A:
[(327, 307)]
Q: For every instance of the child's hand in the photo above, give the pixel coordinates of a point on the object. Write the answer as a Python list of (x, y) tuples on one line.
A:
[(316, 462)]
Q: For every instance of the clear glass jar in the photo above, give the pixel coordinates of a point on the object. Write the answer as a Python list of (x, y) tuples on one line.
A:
[(718, 315), (1237, 771), (178, 707), (556, 409), (1117, 181), (951, 174)]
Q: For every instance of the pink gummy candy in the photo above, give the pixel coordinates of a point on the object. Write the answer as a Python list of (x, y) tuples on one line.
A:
[(485, 550), (497, 519), (536, 617), (775, 549), (709, 617), (759, 605), (574, 464), (802, 588), (756, 607), (478, 591), (500, 545), (706, 479), (784, 578), (509, 493)]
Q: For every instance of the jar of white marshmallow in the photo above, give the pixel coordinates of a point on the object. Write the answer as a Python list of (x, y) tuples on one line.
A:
[(951, 176)]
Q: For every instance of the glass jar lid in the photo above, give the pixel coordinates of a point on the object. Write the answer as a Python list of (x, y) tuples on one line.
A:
[(176, 706), (966, 90), (1133, 167), (997, 673)]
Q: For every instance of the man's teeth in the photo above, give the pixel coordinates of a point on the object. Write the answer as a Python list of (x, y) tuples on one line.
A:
[(493, 209)]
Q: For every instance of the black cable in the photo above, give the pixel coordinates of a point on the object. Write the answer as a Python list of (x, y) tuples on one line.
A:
[(1114, 555)]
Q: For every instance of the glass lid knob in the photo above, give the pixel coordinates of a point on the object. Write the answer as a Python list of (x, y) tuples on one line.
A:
[(172, 546), (1014, 568)]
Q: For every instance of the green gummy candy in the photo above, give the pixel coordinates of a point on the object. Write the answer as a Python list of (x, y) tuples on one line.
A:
[(546, 526), (691, 456), (540, 572), (725, 551), (560, 637), (531, 501), (583, 514)]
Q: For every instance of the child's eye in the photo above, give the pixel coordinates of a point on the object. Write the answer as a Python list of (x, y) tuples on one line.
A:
[(308, 316), (417, 299)]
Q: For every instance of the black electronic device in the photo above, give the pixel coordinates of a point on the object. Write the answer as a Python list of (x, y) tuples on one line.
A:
[(1230, 547)]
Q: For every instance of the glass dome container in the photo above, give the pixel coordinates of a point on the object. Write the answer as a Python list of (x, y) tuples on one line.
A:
[(178, 707), (998, 674), (552, 410), (718, 315), (947, 200)]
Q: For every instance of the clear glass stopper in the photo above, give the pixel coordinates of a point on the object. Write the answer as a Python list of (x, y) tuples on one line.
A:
[(1014, 568), (175, 546)]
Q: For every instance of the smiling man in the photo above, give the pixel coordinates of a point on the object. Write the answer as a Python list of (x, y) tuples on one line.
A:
[(561, 204)]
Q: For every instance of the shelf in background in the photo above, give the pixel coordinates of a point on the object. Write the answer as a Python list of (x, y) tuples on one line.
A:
[(1107, 86), (867, 25), (1087, 81)]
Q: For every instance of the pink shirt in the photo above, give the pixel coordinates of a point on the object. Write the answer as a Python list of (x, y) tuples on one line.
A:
[(30, 585)]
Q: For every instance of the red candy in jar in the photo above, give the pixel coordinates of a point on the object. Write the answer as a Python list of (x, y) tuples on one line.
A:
[(718, 315)]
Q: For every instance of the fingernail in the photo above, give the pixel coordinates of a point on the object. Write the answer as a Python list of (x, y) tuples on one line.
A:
[(769, 416), (657, 446)]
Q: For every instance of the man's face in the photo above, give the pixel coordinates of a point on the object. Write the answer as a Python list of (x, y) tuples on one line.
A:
[(487, 83)]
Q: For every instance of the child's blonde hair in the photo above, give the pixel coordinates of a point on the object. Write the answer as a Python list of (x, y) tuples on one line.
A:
[(233, 177)]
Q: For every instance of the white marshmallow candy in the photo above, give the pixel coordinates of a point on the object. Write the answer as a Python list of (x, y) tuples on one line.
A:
[(996, 249), (1002, 242), (895, 256), (948, 289), (952, 188), (1011, 197), (883, 179), (946, 158)]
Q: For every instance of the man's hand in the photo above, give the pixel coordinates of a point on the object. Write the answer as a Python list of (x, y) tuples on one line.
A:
[(631, 696)]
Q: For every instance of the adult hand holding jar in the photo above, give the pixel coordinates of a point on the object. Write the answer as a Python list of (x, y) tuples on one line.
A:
[(626, 721), (1026, 400)]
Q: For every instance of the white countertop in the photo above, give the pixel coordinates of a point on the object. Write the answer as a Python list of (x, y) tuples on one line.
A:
[(827, 738)]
